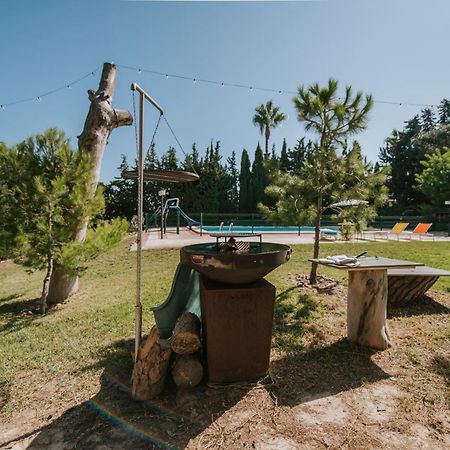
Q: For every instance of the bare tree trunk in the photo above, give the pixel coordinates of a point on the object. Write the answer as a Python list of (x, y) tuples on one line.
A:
[(46, 283), (313, 273), (102, 118)]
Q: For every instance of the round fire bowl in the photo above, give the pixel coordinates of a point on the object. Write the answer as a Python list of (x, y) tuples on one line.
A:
[(235, 267)]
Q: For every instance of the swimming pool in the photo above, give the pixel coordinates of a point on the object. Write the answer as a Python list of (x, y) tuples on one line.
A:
[(266, 229)]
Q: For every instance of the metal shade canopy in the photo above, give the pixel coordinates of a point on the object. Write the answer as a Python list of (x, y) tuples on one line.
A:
[(169, 176), (351, 202)]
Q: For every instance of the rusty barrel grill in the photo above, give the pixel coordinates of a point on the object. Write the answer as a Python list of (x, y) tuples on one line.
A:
[(237, 303)]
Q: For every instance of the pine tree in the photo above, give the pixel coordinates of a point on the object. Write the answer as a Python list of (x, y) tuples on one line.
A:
[(332, 118), (51, 201)]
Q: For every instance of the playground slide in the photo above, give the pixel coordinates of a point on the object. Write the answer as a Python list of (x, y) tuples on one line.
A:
[(190, 221), (184, 297)]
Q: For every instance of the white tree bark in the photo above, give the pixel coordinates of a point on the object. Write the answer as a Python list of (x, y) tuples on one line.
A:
[(102, 118), (366, 309)]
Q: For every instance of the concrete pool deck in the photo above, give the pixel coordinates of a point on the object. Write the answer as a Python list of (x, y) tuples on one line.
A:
[(152, 240)]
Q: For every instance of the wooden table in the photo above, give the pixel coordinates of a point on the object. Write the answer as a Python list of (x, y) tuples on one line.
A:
[(367, 299)]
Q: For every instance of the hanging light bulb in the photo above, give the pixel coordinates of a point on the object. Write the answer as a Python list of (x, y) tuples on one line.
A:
[(139, 71), (39, 99), (93, 74), (279, 92), (69, 86), (251, 88), (222, 84), (2, 107), (194, 80), (167, 76)]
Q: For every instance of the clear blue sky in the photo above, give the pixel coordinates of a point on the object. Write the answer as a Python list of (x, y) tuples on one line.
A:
[(395, 49)]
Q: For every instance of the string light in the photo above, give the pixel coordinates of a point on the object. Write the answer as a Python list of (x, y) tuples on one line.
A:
[(195, 81), (251, 88), (53, 91)]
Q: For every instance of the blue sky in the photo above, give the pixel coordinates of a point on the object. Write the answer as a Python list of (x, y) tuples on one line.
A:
[(395, 49)]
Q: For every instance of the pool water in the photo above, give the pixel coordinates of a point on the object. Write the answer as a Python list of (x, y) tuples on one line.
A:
[(266, 229)]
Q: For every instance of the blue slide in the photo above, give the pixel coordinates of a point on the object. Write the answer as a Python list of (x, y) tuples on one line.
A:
[(191, 222), (184, 297)]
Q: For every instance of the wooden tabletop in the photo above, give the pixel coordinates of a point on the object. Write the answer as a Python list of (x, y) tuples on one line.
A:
[(372, 263)]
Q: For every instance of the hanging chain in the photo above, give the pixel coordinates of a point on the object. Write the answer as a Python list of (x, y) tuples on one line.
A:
[(135, 124), (154, 134), (175, 137)]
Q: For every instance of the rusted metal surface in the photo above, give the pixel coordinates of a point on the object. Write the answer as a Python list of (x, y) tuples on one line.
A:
[(237, 329), (235, 267)]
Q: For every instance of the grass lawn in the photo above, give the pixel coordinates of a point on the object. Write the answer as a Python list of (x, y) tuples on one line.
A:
[(50, 366)]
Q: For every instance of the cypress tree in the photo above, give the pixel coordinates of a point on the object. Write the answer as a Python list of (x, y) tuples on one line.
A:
[(444, 112), (234, 182), (284, 160), (427, 119), (259, 179), (245, 194)]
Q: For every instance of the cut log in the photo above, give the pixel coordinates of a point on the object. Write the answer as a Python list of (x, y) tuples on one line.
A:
[(366, 308), (186, 334), (187, 371), (403, 289), (150, 368)]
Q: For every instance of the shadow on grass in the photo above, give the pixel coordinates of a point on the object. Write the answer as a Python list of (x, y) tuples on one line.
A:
[(323, 372), (441, 366), (423, 305), (17, 314), (113, 419), (293, 310)]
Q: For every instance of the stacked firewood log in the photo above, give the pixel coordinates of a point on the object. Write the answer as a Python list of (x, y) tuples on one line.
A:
[(154, 359)]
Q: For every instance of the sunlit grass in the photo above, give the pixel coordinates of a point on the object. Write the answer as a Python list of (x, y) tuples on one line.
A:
[(97, 324)]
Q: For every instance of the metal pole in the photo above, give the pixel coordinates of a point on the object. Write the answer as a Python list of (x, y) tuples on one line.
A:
[(138, 324), (162, 216)]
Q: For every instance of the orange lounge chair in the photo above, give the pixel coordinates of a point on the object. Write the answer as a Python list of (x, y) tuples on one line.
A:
[(421, 230), (397, 229)]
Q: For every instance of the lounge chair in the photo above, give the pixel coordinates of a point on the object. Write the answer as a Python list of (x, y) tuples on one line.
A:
[(421, 231), (396, 230)]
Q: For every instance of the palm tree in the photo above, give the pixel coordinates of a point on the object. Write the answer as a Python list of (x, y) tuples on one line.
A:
[(267, 116), (333, 119)]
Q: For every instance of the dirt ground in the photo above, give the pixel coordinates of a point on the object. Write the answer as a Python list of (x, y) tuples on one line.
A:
[(322, 392)]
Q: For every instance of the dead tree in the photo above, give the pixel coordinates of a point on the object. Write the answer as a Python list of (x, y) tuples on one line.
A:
[(102, 118)]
